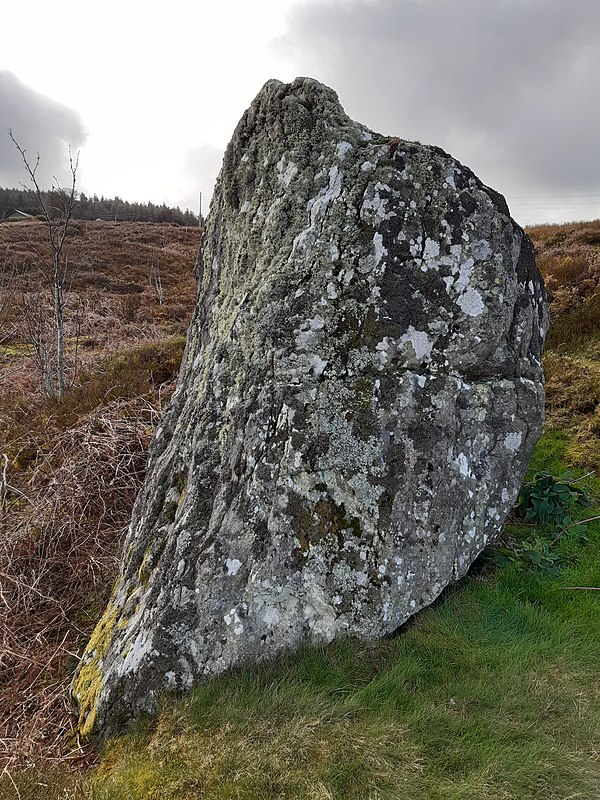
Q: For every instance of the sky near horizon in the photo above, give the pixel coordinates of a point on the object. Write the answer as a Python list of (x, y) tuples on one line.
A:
[(150, 94)]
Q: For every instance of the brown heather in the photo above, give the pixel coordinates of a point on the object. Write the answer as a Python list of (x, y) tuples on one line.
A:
[(569, 258)]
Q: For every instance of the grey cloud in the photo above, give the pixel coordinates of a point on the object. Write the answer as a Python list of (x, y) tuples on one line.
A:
[(40, 125), (509, 87)]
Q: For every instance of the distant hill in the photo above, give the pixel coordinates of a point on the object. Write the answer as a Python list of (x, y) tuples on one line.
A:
[(106, 208), (122, 272)]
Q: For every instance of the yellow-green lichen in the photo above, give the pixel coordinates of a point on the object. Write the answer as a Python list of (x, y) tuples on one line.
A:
[(143, 573), (151, 557), (88, 678)]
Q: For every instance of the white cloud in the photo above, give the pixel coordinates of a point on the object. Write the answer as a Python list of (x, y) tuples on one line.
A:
[(508, 87)]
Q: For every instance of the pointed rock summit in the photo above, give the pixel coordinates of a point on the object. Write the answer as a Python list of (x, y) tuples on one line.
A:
[(360, 394)]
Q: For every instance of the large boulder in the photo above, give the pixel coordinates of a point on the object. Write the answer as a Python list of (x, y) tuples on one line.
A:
[(359, 397)]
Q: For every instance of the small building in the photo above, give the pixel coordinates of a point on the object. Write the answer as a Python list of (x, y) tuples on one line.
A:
[(16, 216)]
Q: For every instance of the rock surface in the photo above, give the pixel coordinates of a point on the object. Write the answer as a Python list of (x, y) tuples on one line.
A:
[(359, 398)]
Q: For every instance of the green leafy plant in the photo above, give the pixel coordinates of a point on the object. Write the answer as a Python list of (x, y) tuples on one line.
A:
[(534, 551), (545, 510), (549, 500)]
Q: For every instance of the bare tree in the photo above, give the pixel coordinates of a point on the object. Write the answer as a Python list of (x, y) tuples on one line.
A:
[(55, 209)]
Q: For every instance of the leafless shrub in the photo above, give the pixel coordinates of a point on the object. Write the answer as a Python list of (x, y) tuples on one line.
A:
[(55, 271)]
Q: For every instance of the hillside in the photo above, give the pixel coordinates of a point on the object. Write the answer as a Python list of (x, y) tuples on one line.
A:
[(569, 258), (491, 693)]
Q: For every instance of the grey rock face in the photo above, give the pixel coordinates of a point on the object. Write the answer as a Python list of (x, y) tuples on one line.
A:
[(360, 395)]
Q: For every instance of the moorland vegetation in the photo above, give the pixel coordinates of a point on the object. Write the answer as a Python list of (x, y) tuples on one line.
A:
[(492, 693)]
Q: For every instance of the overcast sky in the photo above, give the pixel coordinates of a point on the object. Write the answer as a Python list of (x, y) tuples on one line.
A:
[(150, 94)]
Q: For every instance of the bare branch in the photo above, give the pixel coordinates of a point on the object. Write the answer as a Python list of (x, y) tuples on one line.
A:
[(56, 210)]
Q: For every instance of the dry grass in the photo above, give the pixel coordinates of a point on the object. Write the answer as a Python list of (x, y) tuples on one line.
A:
[(573, 402), (73, 470), (114, 266), (60, 537), (568, 257), (548, 237), (574, 328), (121, 252)]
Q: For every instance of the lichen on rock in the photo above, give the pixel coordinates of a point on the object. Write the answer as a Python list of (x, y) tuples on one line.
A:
[(360, 395)]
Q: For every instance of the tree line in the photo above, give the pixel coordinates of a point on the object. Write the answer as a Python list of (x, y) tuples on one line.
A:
[(94, 207)]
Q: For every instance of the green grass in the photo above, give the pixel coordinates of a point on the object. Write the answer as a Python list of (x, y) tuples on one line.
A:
[(549, 454), (16, 349), (22, 349), (490, 694)]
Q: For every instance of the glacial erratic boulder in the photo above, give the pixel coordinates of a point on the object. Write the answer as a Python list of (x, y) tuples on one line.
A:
[(360, 394)]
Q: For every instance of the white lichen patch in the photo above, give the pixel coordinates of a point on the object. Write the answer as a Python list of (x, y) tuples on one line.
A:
[(342, 148), (450, 181), (465, 270), (420, 342), (386, 348), (481, 250), (233, 565), (317, 364), (317, 206), (471, 302), (513, 440), (135, 653), (431, 250), (462, 462), (286, 171), (332, 291), (307, 337), (374, 208)]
